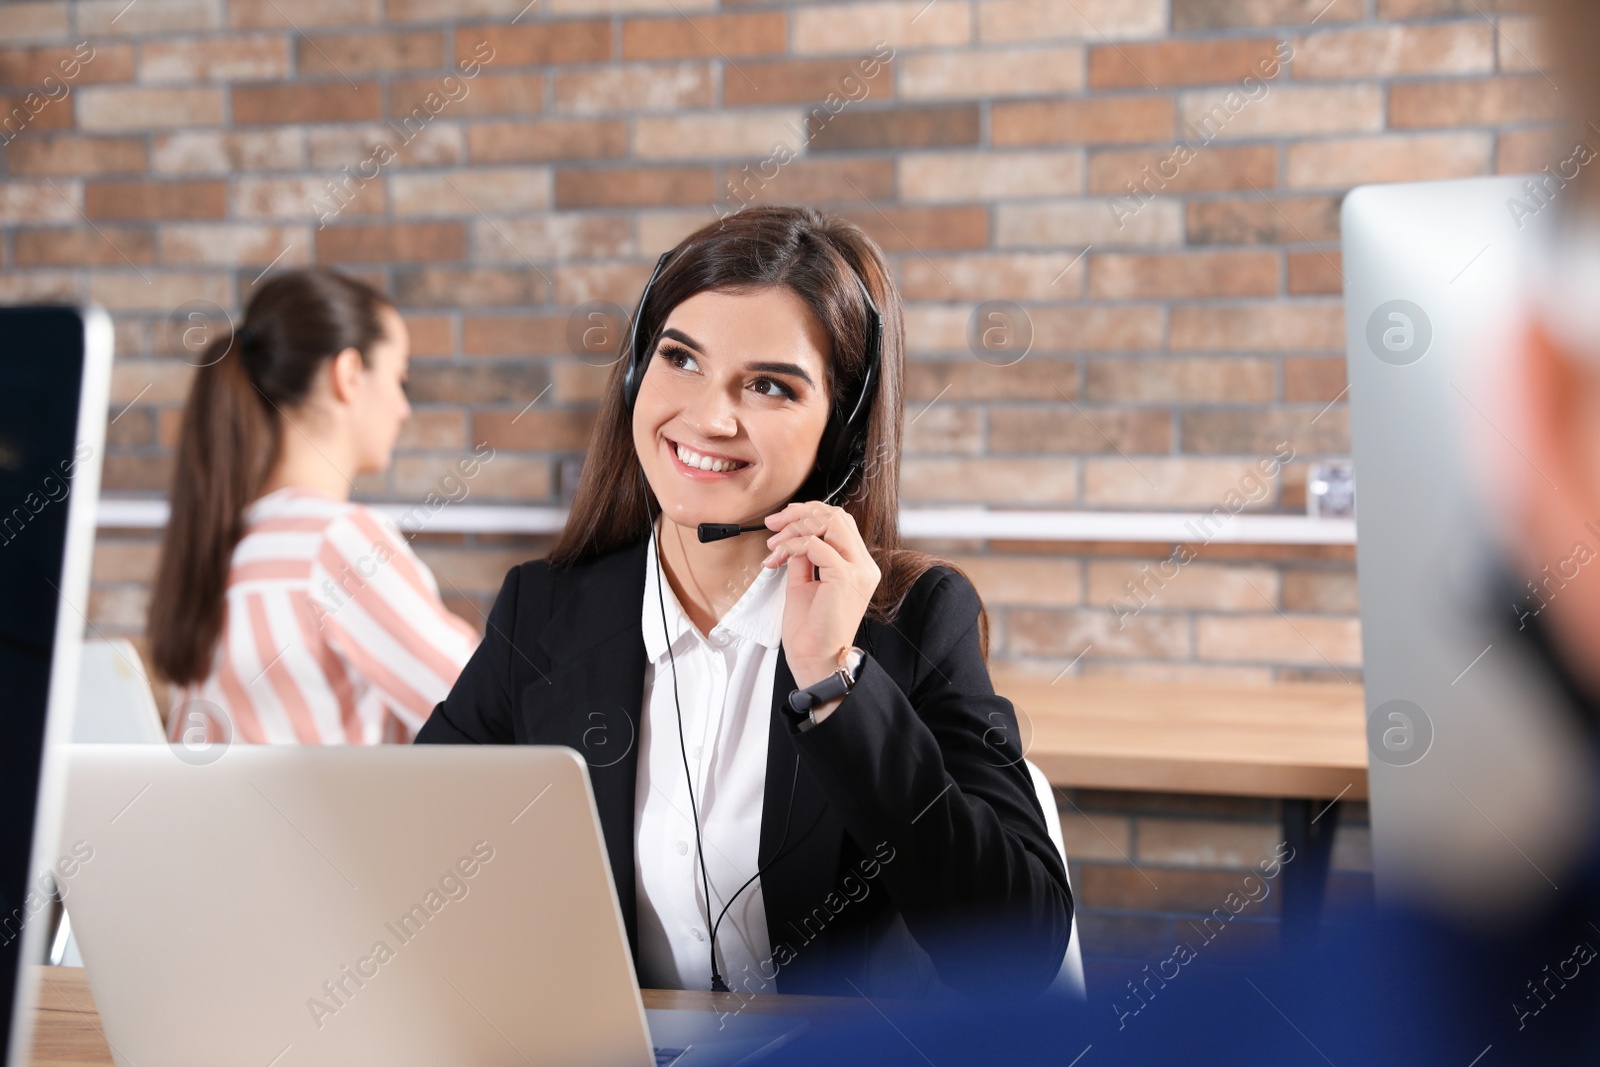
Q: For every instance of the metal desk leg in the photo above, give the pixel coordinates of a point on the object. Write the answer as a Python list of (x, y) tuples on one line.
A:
[(1305, 876)]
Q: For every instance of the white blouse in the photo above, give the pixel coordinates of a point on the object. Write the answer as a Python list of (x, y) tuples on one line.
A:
[(724, 685)]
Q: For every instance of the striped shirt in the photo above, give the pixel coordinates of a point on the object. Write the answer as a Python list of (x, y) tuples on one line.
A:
[(334, 633)]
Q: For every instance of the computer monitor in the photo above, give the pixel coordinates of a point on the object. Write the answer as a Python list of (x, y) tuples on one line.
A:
[(55, 367), (1477, 773)]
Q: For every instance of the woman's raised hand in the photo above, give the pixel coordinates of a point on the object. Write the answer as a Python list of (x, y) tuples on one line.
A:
[(820, 614)]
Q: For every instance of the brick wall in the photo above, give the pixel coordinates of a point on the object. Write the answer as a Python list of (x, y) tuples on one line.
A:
[(1165, 215)]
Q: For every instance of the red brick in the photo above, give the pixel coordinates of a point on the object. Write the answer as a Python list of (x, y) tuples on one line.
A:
[(255, 57), (1526, 151), (1259, 326), (553, 42), (112, 246), (1082, 20), (1225, 14), (1164, 64), (77, 155), (706, 36), (1312, 273), (721, 134), (552, 139), (1281, 110), (1103, 121), (291, 198), (534, 430), (155, 200), (1104, 328), (922, 228), (635, 187), (431, 335), (1411, 9), (642, 87), (1259, 219), (1305, 589), (1034, 632), (1247, 431), (990, 73), (981, 479), (32, 113), (803, 81), (970, 379), (121, 107), (335, 101), (437, 381), (1473, 102), (97, 19), (614, 283), (560, 236), (514, 335), (96, 63), (369, 53), (1183, 274), (407, 242), (287, 14), (1344, 162), (1312, 640), (1160, 171), (858, 28), (452, 287), (899, 128), (1311, 380), (1384, 51), (235, 244), (823, 180), (1035, 429), (992, 276), (487, 94), (213, 152), (1188, 380)]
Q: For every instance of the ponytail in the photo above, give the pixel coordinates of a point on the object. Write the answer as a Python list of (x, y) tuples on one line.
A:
[(228, 445)]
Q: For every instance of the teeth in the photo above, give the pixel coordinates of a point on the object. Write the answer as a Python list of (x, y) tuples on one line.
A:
[(705, 463)]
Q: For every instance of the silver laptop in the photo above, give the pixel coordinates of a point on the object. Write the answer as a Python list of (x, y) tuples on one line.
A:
[(1477, 778), (287, 905)]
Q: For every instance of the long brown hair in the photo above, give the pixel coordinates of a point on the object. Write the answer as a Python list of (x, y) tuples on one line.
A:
[(229, 443), (812, 254)]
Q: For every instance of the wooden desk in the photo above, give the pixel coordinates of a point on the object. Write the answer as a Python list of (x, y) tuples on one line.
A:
[(67, 1030), (1305, 744), (1305, 741)]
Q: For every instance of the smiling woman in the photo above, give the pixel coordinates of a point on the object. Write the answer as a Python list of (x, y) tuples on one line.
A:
[(822, 694)]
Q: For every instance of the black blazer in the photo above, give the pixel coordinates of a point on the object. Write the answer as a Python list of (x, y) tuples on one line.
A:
[(917, 860)]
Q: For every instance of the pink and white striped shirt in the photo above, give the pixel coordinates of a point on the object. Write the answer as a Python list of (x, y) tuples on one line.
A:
[(334, 634)]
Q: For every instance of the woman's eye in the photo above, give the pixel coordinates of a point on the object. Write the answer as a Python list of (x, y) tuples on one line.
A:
[(673, 355), (783, 390)]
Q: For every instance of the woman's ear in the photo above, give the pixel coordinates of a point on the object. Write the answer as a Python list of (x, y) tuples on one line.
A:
[(345, 375)]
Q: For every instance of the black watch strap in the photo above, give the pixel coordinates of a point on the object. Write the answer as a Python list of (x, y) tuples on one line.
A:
[(801, 701)]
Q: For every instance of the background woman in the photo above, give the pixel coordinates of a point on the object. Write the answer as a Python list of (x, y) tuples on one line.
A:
[(280, 604), (890, 840)]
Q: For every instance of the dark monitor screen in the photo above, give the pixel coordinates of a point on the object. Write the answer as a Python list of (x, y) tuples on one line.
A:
[(45, 458)]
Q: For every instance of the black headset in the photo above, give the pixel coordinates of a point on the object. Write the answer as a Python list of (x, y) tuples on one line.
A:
[(840, 454)]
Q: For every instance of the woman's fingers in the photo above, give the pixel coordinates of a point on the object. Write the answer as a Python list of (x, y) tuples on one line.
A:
[(834, 525), (811, 552)]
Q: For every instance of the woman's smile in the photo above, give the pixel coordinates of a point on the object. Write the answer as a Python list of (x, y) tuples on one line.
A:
[(697, 468)]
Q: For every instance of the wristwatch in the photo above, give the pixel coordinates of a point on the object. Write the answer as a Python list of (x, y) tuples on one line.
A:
[(802, 701)]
